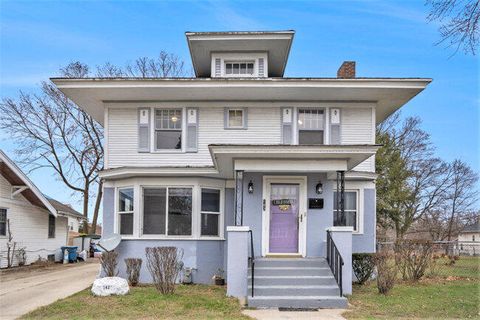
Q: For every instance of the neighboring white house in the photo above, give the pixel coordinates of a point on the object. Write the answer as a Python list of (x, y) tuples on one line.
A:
[(241, 164), (37, 223), (469, 240)]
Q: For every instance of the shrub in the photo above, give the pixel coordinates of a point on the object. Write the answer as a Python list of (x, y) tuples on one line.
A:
[(133, 270), (21, 255), (164, 266), (413, 258), (386, 271), (363, 266), (109, 263)]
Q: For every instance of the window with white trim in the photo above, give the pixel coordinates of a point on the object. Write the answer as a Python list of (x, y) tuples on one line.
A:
[(168, 129), (239, 68), (350, 218), (210, 212), (311, 124), (3, 222), (167, 211), (51, 226), (125, 210), (235, 119)]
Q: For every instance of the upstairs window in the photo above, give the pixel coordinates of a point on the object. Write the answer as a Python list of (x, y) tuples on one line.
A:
[(168, 129), (51, 226), (235, 118), (239, 68), (311, 123)]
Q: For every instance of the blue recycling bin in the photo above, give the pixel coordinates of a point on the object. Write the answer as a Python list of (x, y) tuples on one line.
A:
[(72, 253)]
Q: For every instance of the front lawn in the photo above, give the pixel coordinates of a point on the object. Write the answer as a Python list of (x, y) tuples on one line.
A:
[(189, 302), (451, 293)]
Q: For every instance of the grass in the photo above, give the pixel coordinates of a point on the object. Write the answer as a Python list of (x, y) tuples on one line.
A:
[(452, 292), (188, 302)]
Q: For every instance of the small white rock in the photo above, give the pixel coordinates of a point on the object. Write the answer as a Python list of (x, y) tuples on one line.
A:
[(110, 286)]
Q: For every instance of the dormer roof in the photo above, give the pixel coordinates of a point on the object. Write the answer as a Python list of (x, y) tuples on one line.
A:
[(275, 43)]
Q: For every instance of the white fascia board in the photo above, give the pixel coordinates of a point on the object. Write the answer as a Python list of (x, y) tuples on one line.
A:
[(260, 165), (28, 183), (116, 173)]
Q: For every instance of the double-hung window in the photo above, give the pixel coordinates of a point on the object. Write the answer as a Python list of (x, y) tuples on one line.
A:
[(168, 129), (311, 124), (3, 222), (51, 226), (125, 210), (210, 206), (350, 216), (167, 211)]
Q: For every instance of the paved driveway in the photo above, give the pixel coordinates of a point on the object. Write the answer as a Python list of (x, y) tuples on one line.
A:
[(25, 291)]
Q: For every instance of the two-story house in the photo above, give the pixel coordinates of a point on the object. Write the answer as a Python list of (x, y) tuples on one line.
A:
[(268, 177)]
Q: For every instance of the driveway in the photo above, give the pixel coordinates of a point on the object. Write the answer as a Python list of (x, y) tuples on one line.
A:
[(22, 292)]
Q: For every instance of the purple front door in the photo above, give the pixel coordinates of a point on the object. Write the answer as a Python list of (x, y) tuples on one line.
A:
[(284, 218)]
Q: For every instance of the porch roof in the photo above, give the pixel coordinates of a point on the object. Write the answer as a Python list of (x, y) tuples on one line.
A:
[(288, 158)]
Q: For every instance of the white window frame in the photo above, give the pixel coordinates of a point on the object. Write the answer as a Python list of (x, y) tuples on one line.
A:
[(359, 211), (220, 213), (118, 212), (243, 126), (238, 75), (6, 225), (154, 130), (166, 235), (297, 127)]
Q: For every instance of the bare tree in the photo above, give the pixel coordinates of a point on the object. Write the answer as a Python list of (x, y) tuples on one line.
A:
[(459, 22)]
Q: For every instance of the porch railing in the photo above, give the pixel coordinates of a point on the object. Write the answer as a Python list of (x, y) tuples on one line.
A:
[(335, 261), (251, 260)]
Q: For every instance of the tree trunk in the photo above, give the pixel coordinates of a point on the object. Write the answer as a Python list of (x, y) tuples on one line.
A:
[(93, 229), (85, 206)]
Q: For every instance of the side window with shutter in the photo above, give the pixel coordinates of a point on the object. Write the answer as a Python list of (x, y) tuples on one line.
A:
[(143, 130), (287, 125), (335, 137), (192, 130)]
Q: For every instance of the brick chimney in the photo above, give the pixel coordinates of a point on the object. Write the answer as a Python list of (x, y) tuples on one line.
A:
[(346, 70)]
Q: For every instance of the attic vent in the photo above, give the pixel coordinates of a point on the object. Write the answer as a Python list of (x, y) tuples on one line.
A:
[(261, 67), (218, 67)]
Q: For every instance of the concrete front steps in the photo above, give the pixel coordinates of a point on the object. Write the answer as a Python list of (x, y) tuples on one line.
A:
[(294, 283)]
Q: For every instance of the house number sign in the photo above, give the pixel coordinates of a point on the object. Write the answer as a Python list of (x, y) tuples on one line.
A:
[(283, 204)]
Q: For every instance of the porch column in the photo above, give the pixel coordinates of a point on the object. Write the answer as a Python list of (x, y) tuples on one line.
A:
[(341, 196), (239, 197)]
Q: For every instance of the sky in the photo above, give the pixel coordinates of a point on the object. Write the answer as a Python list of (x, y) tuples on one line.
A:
[(386, 38)]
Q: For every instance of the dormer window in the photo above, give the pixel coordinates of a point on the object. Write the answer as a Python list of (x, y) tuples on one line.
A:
[(239, 68)]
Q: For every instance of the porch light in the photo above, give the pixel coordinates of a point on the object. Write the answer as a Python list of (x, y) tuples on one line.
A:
[(319, 188), (250, 187)]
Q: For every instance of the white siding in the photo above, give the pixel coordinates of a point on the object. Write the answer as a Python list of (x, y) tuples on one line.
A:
[(29, 225), (356, 128), (263, 128)]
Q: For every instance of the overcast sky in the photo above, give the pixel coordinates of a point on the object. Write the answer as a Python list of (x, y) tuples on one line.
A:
[(386, 38)]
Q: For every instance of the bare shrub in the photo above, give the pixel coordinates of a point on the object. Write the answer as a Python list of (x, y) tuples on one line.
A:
[(363, 266), (21, 255), (133, 270), (386, 271), (109, 263), (164, 266), (413, 258)]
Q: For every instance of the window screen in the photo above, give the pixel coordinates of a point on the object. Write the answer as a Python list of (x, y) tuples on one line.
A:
[(154, 210), (179, 211)]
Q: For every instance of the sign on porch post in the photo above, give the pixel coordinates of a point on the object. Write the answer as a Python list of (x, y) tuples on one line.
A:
[(238, 197)]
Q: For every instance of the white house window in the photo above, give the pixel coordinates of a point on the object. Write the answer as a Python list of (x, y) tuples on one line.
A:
[(235, 118), (239, 68), (311, 123), (125, 210), (51, 226), (3, 222), (168, 129), (167, 209), (210, 207), (349, 219)]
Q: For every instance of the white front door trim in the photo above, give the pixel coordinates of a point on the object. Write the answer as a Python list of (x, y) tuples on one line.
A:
[(302, 228)]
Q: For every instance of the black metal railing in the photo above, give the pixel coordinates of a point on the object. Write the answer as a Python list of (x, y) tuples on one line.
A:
[(251, 260), (335, 261)]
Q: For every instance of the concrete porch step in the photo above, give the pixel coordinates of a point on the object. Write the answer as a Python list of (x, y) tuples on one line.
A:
[(291, 271), (291, 262), (295, 290), (293, 280), (297, 302)]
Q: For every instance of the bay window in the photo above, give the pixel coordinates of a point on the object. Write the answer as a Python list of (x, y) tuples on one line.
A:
[(350, 216), (210, 212), (125, 210), (311, 124), (168, 129)]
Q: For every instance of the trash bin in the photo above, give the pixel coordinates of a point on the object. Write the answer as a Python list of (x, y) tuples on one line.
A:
[(72, 253)]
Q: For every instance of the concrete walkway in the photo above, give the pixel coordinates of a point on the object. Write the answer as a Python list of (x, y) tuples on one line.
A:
[(23, 292), (274, 314)]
